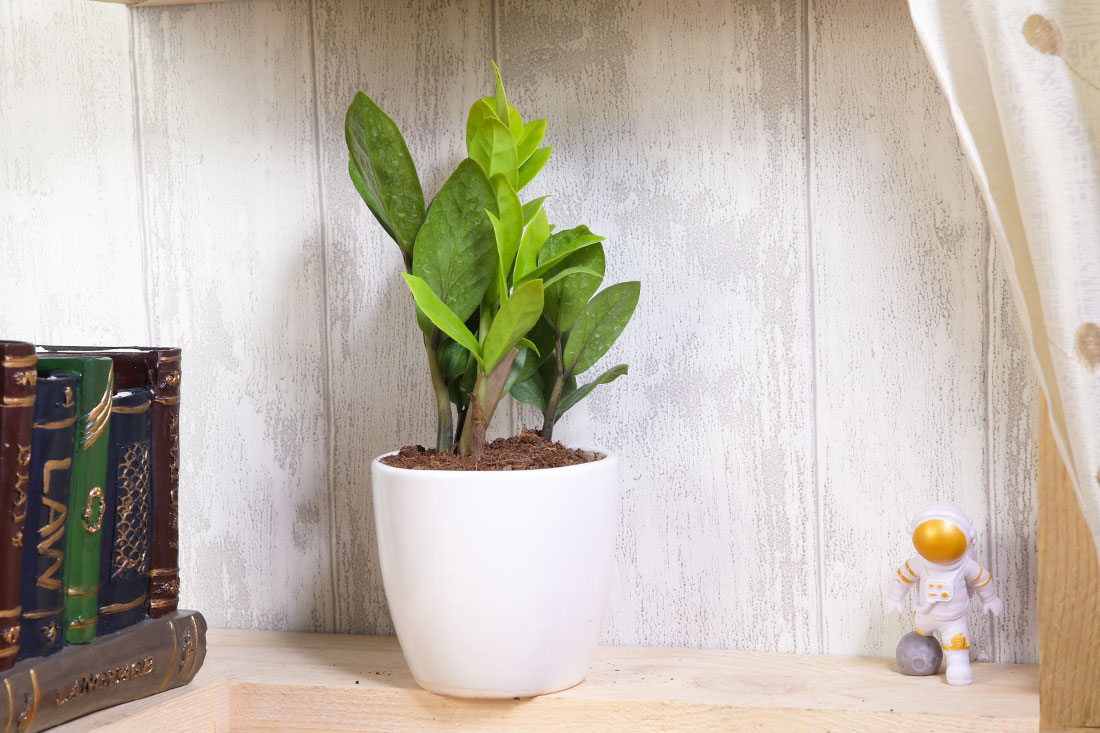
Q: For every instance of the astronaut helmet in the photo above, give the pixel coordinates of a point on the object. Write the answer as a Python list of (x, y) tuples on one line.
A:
[(942, 534)]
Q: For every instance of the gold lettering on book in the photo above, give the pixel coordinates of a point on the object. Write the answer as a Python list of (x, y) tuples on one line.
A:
[(53, 531), (26, 379), (104, 679)]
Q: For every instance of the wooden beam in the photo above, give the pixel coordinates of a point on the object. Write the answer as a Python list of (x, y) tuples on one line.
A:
[(1069, 598), (266, 680)]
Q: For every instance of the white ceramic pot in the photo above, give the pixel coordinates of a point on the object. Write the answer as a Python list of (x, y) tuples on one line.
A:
[(497, 581)]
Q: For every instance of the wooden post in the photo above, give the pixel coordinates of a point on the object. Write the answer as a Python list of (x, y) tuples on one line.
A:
[(1069, 598)]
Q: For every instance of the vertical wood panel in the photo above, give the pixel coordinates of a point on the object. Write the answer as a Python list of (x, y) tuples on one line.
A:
[(679, 137), (424, 64), (1014, 510), (69, 237), (900, 268), (234, 229)]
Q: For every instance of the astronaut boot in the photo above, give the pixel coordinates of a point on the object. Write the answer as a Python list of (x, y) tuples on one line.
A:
[(958, 666)]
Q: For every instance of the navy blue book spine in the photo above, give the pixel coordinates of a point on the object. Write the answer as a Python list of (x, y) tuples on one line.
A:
[(52, 440), (127, 501)]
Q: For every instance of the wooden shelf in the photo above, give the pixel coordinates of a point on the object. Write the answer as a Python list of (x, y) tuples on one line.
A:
[(277, 681), (151, 3)]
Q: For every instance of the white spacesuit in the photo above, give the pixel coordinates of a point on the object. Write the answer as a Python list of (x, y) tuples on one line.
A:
[(945, 573)]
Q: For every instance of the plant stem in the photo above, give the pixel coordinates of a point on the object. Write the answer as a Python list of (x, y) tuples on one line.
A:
[(487, 394), (444, 439), (550, 414)]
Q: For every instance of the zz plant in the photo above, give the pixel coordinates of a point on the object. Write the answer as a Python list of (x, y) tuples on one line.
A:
[(504, 304)]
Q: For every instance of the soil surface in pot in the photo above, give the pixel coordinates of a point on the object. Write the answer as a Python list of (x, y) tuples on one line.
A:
[(522, 452)]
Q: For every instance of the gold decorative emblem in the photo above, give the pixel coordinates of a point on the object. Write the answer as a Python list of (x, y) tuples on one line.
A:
[(131, 544), (11, 635), (26, 379), (68, 398), (187, 651), (172, 379), (49, 632), (93, 517)]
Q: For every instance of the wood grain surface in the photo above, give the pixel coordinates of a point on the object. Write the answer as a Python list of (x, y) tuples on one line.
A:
[(279, 681), (1069, 598), (823, 343)]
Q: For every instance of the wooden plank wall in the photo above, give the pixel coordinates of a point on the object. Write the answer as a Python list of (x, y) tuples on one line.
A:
[(824, 342)]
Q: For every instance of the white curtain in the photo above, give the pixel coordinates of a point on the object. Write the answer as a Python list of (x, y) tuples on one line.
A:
[(1023, 81)]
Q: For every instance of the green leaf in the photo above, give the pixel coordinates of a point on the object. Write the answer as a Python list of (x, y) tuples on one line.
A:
[(538, 231), (532, 166), (503, 108), (453, 358), (579, 394), (494, 150), (530, 345), (455, 251), (373, 203), (542, 336), (533, 133), (498, 287), (531, 208), (511, 219), (566, 298), (480, 111), (512, 322), (386, 170), (599, 325), (531, 391), (442, 316), (572, 240)]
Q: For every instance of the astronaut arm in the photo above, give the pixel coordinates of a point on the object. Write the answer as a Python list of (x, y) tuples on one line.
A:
[(980, 579), (904, 578)]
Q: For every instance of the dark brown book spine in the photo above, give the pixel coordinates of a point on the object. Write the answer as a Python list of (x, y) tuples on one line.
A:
[(141, 660), (164, 573), (18, 377)]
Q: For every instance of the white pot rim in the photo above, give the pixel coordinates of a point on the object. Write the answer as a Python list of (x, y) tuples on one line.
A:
[(396, 470)]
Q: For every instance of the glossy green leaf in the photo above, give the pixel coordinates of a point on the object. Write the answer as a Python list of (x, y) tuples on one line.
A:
[(512, 322), (531, 391), (503, 108), (442, 316), (533, 133), (511, 219), (455, 250), (542, 336), (535, 236), (571, 240), (372, 202), (480, 111), (386, 170), (495, 151), (566, 298), (498, 287), (530, 345), (532, 166), (531, 208), (599, 325), (453, 359), (577, 395)]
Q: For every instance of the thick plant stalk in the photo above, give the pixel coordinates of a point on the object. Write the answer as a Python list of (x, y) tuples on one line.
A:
[(488, 391), (550, 414), (444, 439)]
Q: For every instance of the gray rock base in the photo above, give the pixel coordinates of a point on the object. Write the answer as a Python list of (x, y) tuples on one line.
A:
[(919, 655)]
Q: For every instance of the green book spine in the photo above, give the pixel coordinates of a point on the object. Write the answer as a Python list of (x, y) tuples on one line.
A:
[(89, 475)]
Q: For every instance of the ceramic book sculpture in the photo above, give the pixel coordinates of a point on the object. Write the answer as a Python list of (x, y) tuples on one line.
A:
[(47, 511), (124, 554), (89, 473), (944, 573), (158, 370), (90, 469), (17, 393), (497, 576)]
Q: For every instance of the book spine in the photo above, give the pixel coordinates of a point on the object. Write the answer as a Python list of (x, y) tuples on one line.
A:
[(18, 377), (47, 509), (85, 521), (124, 553), (141, 660), (164, 580)]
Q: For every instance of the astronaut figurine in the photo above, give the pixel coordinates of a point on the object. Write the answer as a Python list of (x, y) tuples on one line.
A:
[(945, 573)]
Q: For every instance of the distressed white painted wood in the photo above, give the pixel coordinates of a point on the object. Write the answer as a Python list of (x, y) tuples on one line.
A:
[(70, 248), (424, 64), (899, 246), (224, 222), (234, 228), (679, 137), (1013, 464)]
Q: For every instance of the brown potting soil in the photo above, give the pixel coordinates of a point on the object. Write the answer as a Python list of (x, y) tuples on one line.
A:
[(522, 452)]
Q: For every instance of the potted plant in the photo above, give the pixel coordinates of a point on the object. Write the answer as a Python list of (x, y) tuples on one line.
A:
[(496, 558)]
